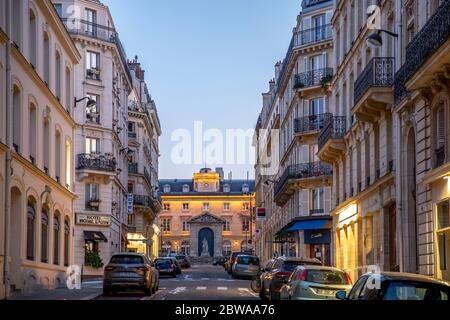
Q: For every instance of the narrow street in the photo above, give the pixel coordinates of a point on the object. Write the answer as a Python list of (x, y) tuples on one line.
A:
[(200, 282)]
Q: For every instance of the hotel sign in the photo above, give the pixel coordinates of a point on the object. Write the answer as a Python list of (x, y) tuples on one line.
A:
[(260, 214), (93, 220)]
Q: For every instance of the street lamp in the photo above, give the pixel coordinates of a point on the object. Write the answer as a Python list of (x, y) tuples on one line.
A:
[(375, 40), (90, 102)]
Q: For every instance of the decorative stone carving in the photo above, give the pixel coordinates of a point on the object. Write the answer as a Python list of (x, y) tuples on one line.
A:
[(206, 218)]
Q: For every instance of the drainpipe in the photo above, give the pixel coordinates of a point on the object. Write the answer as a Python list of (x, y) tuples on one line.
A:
[(7, 164)]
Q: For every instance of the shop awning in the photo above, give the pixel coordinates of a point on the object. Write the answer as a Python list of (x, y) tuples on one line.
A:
[(94, 236), (313, 224)]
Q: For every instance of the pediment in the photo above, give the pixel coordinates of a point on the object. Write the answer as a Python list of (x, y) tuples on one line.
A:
[(206, 218)]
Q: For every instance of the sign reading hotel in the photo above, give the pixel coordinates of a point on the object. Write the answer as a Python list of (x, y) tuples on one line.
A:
[(260, 214), (93, 220)]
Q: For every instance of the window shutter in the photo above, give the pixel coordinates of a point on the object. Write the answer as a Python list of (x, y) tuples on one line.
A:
[(306, 64), (329, 14), (327, 200), (304, 203), (440, 128), (324, 60), (306, 107), (305, 154), (87, 192), (307, 33)]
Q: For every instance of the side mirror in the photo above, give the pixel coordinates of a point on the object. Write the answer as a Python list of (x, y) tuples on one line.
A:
[(341, 295)]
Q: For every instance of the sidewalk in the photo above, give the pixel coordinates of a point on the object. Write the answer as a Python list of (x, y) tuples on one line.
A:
[(90, 289)]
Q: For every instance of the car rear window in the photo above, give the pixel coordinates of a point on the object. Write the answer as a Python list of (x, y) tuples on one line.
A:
[(163, 262), (248, 260), (326, 277), (291, 265), (127, 259), (401, 290)]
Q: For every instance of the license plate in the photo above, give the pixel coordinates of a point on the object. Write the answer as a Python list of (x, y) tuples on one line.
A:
[(325, 292)]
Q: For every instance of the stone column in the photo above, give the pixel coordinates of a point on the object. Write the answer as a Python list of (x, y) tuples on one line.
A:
[(193, 239)]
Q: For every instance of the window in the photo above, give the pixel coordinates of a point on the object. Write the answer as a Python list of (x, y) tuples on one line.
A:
[(245, 188), (46, 146), (44, 236), (16, 118), (92, 196), (68, 90), (185, 224), (185, 206), (132, 129), (66, 243), (317, 203), (226, 248), (165, 225), (167, 246), (245, 224), (56, 227), (58, 8), (93, 65), (46, 58), (227, 224), (244, 245), (68, 164), (185, 247), (16, 22), (92, 145), (58, 156), (226, 188), (32, 38), (91, 21), (166, 188), (226, 206), (166, 206), (58, 75), (245, 206), (443, 214), (205, 206), (31, 218), (130, 219), (440, 137), (32, 133), (93, 112), (317, 106), (185, 188)]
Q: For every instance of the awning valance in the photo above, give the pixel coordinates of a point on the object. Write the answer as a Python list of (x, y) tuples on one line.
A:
[(94, 236), (313, 224)]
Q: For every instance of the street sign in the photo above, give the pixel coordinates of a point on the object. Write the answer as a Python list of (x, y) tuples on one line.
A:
[(130, 203), (260, 214)]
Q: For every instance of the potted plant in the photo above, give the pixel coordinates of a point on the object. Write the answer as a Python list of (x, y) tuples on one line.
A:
[(326, 79), (92, 258)]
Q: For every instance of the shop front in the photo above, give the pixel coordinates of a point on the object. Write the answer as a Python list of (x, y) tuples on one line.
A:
[(137, 243)]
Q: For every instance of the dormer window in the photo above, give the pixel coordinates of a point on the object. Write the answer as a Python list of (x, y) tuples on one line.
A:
[(185, 188), (226, 188), (166, 188), (245, 188)]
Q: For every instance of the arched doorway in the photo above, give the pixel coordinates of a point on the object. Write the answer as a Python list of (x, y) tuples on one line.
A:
[(411, 263), (208, 234)]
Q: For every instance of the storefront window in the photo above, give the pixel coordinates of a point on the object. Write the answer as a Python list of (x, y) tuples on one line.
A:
[(443, 215)]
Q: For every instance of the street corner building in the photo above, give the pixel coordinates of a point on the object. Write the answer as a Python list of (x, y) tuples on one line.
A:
[(37, 182), (386, 138), (206, 216)]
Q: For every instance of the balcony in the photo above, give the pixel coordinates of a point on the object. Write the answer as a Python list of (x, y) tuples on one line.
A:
[(331, 139), (148, 202), (373, 89), (97, 162), (79, 27), (311, 124), (427, 55), (313, 78), (304, 175)]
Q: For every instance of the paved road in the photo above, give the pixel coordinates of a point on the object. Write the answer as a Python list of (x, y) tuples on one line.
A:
[(201, 282)]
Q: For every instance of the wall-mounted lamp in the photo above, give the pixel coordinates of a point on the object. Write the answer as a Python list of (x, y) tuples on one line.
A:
[(375, 40), (90, 102), (267, 182)]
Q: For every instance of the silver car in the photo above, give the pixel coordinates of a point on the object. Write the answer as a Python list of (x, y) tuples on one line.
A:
[(246, 266), (315, 283), (130, 270)]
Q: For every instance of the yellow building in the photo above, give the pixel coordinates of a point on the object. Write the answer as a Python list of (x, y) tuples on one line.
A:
[(206, 215)]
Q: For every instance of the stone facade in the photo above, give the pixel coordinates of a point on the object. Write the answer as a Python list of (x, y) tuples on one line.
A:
[(221, 207), (37, 61)]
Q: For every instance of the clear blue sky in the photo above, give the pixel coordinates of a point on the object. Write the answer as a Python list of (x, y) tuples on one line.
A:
[(206, 60)]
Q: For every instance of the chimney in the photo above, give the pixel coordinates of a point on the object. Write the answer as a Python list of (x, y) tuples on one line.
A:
[(220, 172)]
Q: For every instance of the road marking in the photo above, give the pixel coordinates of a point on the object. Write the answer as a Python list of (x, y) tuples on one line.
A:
[(222, 288), (178, 290), (91, 296), (146, 298), (200, 288), (242, 289)]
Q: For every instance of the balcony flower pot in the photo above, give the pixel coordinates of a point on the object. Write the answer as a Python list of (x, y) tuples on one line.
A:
[(94, 203)]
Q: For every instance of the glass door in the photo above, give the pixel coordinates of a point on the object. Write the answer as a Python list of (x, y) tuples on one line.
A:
[(319, 27)]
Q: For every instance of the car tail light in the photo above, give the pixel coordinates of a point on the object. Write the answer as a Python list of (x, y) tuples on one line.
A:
[(303, 275), (282, 274), (348, 278)]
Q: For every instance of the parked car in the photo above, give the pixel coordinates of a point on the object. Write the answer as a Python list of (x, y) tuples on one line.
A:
[(219, 261), (166, 266), (183, 260), (231, 260), (177, 264), (130, 270), (396, 286), (312, 282), (245, 266), (278, 271)]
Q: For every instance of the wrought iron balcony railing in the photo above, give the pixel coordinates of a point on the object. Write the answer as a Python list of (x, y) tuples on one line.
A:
[(311, 123), (313, 78), (96, 162), (132, 168), (378, 73), (429, 39), (303, 171), (96, 31), (145, 201), (335, 128)]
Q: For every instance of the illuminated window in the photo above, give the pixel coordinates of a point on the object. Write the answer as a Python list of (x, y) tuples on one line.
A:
[(186, 206), (166, 206), (226, 206), (185, 224), (227, 224), (245, 206), (205, 206), (226, 248), (245, 224), (185, 247), (165, 225), (92, 145)]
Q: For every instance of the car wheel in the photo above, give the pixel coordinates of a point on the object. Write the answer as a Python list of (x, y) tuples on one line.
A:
[(148, 290)]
